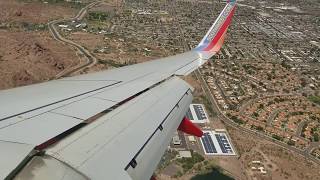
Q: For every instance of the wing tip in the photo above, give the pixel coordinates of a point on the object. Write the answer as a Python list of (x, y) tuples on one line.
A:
[(213, 40)]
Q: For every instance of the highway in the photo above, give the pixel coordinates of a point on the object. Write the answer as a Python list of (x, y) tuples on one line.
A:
[(90, 59)]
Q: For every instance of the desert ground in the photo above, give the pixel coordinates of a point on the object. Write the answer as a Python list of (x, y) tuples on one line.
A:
[(28, 53)]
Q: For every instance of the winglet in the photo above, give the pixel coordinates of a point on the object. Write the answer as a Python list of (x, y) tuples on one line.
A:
[(213, 40)]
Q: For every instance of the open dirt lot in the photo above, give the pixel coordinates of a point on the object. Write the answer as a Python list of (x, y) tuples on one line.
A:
[(278, 162), (32, 11), (29, 57)]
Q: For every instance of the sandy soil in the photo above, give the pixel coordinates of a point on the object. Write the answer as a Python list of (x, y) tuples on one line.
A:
[(32, 12), (116, 50), (89, 40), (107, 6), (30, 57), (279, 163)]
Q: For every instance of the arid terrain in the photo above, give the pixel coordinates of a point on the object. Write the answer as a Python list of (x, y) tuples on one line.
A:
[(28, 11), (30, 57), (28, 53), (280, 163)]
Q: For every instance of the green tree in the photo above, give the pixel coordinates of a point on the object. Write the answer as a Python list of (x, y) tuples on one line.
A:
[(316, 137), (291, 143), (274, 136)]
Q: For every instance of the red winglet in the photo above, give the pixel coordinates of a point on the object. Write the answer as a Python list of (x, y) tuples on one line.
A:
[(188, 127)]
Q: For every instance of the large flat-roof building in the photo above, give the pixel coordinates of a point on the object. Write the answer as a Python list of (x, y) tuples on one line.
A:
[(176, 139), (197, 113), (216, 143)]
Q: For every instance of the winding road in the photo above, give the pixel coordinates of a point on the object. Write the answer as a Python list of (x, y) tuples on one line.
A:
[(90, 59)]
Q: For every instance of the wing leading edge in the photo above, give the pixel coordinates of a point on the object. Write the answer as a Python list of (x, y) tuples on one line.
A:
[(112, 124)]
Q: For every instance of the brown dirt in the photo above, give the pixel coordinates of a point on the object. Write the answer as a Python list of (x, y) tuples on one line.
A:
[(29, 57), (118, 51), (280, 163), (32, 12), (88, 40), (109, 6)]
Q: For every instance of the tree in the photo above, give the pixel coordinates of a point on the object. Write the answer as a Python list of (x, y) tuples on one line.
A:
[(291, 143), (316, 137), (303, 82), (237, 120), (314, 99), (285, 65), (261, 106), (259, 128), (274, 136), (253, 86)]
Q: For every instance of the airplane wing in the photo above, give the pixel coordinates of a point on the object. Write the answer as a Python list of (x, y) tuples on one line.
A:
[(113, 124)]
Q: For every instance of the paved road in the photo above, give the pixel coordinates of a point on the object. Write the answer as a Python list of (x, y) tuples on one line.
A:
[(300, 128), (312, 146), (272, 116), (91, 60), (229, 122), (83, 11)]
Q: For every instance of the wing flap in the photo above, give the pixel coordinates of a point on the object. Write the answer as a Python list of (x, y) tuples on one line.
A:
[(129, 89), (85, 108), (29, 98), (12, 154), (39, 129), (119, 135), (149, 157)]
